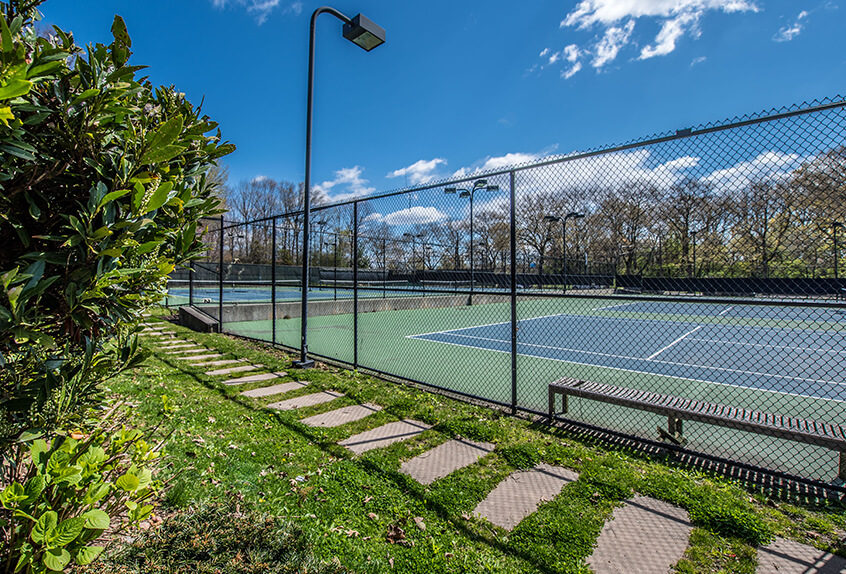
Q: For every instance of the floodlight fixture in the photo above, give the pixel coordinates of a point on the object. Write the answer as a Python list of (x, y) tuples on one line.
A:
[(364, 32), (465, 193), (450, 190)]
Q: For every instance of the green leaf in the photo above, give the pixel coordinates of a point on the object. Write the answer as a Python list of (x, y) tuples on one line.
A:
[(6, 115), (12, 494), (95, 493), (6, 36), (56, 559), (86, 95), (68, 531), (96, 519), (147, 247), (34, 487), (44, 527), (120, 33), (14, 88), (39, 453), (128, 482), (112, 196), (166, 134), (163, 154), (160, 196), (88, 554)]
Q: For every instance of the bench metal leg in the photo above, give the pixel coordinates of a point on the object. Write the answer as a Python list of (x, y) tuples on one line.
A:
[(842, 471), (564, 403), (674, 431)]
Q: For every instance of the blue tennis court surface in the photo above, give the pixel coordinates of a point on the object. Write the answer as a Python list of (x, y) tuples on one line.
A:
[(739, 311), (800, 361)]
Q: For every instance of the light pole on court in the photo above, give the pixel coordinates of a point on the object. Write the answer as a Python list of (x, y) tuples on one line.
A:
[(367, 35), (477, 185), (563, 220)]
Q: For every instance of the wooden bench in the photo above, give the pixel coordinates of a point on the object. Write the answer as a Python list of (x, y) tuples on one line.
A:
[(678, 409)]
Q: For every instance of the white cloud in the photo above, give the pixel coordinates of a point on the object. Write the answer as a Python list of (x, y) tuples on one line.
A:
[(417, 215), (261, 9), (671, 31), (616, 21), (767, 166), (698, 60), (350, 179), (421, 171), (259, 178), (615, 38), (787, 33)]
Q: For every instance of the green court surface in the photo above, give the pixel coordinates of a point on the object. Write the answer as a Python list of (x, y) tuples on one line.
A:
[(785, 360)]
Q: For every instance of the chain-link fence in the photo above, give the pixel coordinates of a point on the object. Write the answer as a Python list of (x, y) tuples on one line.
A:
[(703, 265)]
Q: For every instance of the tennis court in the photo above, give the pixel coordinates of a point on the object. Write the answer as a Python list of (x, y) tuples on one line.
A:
[(781, 359)]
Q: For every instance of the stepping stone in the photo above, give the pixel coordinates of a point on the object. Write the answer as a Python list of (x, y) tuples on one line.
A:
[(160, 333), (306, 401), (254, 378), (187, 351), (521, 493), (342, 416), (199, 357), (215, 363), (646, 534), (445, 459), (178, 345), (229, 370), (788, 557), (274, 389), (384, 435)]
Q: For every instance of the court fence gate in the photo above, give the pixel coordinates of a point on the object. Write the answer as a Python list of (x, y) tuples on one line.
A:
[(703, 264)]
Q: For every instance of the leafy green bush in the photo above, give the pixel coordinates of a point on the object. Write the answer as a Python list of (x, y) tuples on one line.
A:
[(67, 493), (103, 182), (214, 539)]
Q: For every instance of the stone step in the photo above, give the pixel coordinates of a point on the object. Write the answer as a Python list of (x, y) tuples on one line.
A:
[(254, 378), (306, 401), (445, 459), (177, 344), (216, 363), (160, 333), (385, 435), (788, 557), (647, 534), (199, 357), (342, 416), (274, 389), (187, 351), (520, 494), (230, 370)]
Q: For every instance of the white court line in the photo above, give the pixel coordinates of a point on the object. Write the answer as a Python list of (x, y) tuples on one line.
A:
[(672, 377), (726, 310), (679, 340), (674, 363), (789, 347), (612, 306)]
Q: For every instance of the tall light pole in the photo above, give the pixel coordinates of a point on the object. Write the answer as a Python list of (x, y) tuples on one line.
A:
[(563, 220), (693, 245), (367, 35), (835, 225), (477, 185)]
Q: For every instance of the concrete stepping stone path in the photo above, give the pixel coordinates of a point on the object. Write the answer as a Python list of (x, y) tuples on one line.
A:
[(306, 401), (445, 459), (385, 435), (187, 351), (646, 534), (789, 557), (521, 493), (274, 389), (342, 416), (254, 378), (230, 370)]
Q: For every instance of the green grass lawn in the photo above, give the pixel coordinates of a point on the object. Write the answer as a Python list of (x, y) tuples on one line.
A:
[(350, 510)]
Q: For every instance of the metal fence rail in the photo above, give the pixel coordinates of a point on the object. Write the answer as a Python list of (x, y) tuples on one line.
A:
[(703, 264)]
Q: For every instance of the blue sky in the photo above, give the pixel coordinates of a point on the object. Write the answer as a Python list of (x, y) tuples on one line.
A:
[(466, 85)]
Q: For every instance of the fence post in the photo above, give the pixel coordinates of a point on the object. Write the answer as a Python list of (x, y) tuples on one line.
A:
[(220, 282), (513, 299), (191, 284), (273, 282), (355, 285)]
